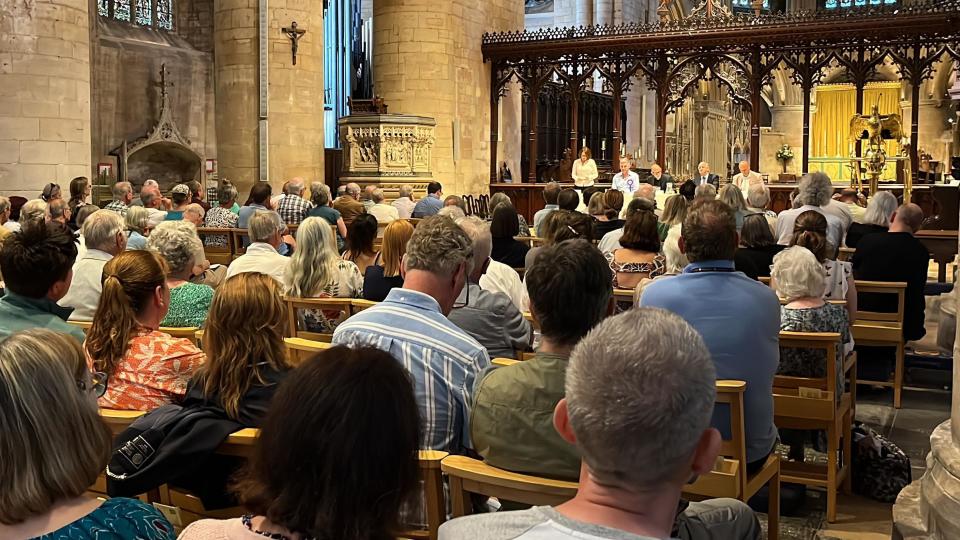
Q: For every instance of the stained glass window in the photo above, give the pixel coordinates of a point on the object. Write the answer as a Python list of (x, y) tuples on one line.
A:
[(121, 10), (144, 13), (154, 13), (165, 14), (843, 4), (747, 4), (103, 8)]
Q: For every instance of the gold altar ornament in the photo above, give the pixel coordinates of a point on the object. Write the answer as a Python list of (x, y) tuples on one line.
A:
[(874, 128)]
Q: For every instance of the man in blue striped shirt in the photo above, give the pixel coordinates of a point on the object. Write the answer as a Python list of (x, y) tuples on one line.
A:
[(411, 324)]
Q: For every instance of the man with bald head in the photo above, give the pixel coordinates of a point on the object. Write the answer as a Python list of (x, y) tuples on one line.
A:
[(704, 176), (293, 208), (658, 177), (349, 204), (747, 178)]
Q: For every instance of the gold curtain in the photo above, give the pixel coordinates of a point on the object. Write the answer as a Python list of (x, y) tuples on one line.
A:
[(830, 125)]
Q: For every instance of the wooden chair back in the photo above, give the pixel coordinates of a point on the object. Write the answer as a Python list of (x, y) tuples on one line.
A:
[(333, 308), (217, 254), (503, 362), (623, 295), (898, 288), (187, 332), (820, 341), (532, 241), (358, 304), (299, 349), (468, 475), (241, 238), (846, 254)]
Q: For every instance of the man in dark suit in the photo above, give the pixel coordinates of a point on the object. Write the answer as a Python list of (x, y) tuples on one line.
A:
[(658, 177), (704, 176)]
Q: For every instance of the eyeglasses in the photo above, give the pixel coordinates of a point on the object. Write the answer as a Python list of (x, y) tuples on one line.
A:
[(458, 305), (98, 384)]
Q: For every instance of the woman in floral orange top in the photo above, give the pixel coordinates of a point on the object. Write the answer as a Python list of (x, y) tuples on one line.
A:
[(145, 368)]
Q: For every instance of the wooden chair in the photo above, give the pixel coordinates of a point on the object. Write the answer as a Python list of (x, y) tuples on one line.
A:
[(503, 362), (217, 254), (187, 332), (117, 421), (532, 241), (358, 304), (729, 478), (623, 295), (240, 241), (797, 407), (330, 306), (468, 475), (299, 349), (436, 505), (882, 329), (846, 254)]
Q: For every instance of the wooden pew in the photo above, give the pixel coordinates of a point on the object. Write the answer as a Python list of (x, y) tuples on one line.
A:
[(623, 296), (532, 241), (503, 362), (343, 306), (299, 349), (797, 405), (187, 332), (846, 254), (468, 475), (729, 478), (117, 420), (218, 254), (882, 329)]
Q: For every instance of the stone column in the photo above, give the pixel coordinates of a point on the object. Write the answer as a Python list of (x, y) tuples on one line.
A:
[(295, 112), (427, 61), (44, 94)]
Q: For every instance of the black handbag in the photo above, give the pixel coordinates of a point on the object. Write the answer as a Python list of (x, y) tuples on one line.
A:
[(880, 468)]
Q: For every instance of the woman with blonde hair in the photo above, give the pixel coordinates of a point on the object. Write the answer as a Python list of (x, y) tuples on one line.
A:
[(384, 274), (55, 444), (674, 211), (315, 271), (146, 368), (733, 196), (138, 228)]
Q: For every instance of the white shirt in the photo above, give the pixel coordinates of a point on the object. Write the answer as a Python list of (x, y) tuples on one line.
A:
[(155, 217), (611, 241), (84, 293), (404, 207), (627, 185), (744, 182), (12, 226), (841, 211), (584, 173), (260, 257), (787, 218), (503, 279), (384, 213)]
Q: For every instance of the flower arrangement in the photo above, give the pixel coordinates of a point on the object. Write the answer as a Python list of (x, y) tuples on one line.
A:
[(784, 155)]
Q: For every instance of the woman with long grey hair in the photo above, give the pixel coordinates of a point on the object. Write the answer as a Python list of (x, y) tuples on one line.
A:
[(876, 219)]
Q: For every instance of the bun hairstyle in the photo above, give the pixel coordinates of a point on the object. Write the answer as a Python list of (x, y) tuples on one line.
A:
[(612, 203), (810, 231), (129, 282)]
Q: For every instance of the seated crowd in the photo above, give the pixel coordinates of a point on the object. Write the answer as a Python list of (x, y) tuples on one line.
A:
[(617, 396)]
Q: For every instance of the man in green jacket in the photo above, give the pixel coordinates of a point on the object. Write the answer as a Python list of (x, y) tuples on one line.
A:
[(37, 267), (511, 422)]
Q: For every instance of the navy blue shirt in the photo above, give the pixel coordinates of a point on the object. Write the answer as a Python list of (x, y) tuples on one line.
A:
[(739, 319)]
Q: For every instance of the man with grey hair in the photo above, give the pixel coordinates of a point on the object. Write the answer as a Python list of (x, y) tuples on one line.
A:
[(815, 193), (490, 317), (103, 234), (411, 324), (366, 197), (59, 211), (404, 203), (266, 237), (122, 197), (640, 391), (294, 208), (705, 191), (349, 204), (149, 182), (194, 214), (704, 176), (746, 178), (648, 192), (384, 213), (153, 202)]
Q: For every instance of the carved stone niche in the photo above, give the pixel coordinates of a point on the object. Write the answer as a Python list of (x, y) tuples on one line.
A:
[(387, 149)]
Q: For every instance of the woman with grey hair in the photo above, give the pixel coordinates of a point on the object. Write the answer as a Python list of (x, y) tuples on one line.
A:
[(222, 216), (500, 198), (733, 197), (758, 199), (799, 278), (876, 219), (177, 242), (323, 208), (138, 227)]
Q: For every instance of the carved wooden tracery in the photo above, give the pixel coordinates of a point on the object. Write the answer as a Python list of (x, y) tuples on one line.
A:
[(739, 51)]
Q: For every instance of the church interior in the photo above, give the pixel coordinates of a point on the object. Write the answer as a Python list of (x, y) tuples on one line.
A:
[(388, 100)]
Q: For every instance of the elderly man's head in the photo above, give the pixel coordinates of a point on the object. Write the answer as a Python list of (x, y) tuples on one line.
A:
[(150, 196), (455, 200), (377, 196), (295, 186), (640, 391), (123, 192), (353, 190), (705, 191), (406, 190), (368, 192), (908, 218), (709, 231), (479, 232), (744, 167), (58, 210), (703, 168), (103, 231), (438, 260), (194, 214), (266, 227), (646, 191), (656, 170), (758, 196), (816, 189)]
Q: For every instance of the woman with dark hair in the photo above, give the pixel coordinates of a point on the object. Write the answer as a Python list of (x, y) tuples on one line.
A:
[(79, 193), (347, 425), (360, 236), (504, 228), (757, 247), (611, 205), (639, 257), (810, 231)]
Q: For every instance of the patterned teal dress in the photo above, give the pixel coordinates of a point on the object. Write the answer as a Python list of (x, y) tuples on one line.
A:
[(117, 519), (189, 304)]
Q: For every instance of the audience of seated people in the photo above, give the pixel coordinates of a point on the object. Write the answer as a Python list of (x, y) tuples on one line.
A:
[(315, 271), (815, 192), (146, 368), (754, 255), (177, 242), (384, 274), (505, 227), (810, 231), (361, 236), (48, 399), (489, 317), (703, 295), (875, 219), (633, 465), (262, 255), (104, 237), (431, 204)]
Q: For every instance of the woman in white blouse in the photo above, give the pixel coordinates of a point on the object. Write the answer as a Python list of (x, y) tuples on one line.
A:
[(584, 169)]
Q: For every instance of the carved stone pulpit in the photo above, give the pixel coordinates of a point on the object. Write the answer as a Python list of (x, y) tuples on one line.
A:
[(387, 149)]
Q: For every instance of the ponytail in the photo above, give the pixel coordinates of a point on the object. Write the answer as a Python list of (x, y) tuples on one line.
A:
[(810, 231)]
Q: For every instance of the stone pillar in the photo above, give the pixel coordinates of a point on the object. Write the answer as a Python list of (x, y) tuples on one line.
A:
[(295, 112), (44, 94), (427, 61)]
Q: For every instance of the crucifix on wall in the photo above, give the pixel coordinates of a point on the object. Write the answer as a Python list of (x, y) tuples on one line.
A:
[(294, 34)]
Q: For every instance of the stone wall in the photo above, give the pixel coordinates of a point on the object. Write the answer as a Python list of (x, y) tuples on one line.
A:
[(44, 94)]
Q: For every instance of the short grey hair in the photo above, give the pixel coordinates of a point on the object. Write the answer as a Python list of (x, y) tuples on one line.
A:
[(150, 182), (263, 224), (195, 209), (439, 246), (57, 208), (797, 274), (353, 189), (479, 232), (227, 193), (32, 210), (377, 195), (319, 193), (452, 212), (646, 191), (705, 191), (406, 190), (499, 198), (178, 243), (816, 189), (645, 371), (120, 189), (758, 196), (137, 219), (294, 186), (880, 208), (101, 228), (148, 195)]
